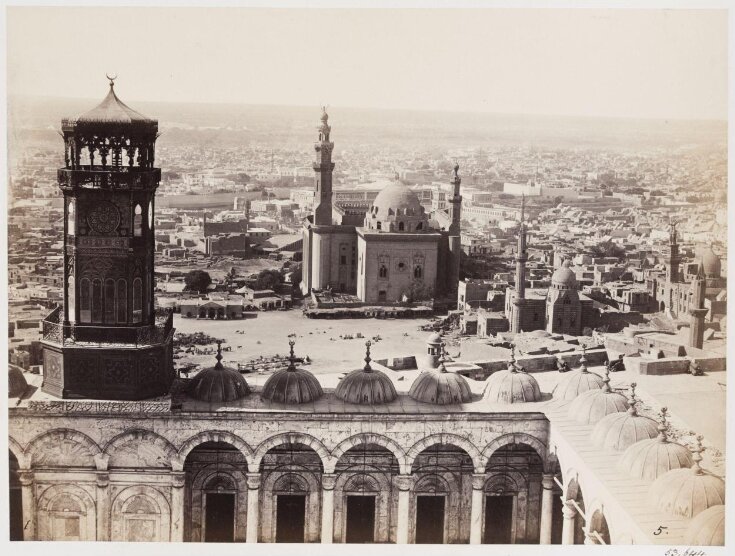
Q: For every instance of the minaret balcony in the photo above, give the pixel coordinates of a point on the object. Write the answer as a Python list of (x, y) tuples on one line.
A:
[(109, 177)]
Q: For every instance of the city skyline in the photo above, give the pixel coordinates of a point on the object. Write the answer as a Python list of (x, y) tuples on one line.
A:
[(522, 61)]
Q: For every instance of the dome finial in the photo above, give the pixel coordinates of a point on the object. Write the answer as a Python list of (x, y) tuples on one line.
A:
[(697, 455), (632, 400), (583, 360), (606, 380), (512, 368), (218, 357), (325, 116), (442, 357), (291, 356), (663, 426), (112, 79), (367, 367)]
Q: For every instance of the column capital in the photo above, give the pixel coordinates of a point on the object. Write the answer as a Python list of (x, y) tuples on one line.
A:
[(404, 482), (328, 481), (26, 477), (547, 481), (103, 479), (589, 538), (569, 511), (178, 479), (253, 481), (478, 481)]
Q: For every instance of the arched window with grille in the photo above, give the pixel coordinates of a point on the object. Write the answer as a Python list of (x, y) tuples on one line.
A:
[(383, 271), (97, 305), (137, 300), (138, 221), (109, 301), (122, 301), (418, 272), (85, 300), (71, 299)]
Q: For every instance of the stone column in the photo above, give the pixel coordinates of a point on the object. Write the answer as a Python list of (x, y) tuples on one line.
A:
[(478, 497), (547, 504), (251, 531), (29, 504), (567, 530), (404, 484), (328, 482), (103, 506), (178, 479)]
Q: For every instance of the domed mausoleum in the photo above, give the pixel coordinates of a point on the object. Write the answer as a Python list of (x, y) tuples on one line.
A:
[(617, 431), (366, 386), (651, 458), (396, 209), (687, 492), (292, 385), (576, 382), (594, 404), (219, 383), (440, 387), (512, 385)]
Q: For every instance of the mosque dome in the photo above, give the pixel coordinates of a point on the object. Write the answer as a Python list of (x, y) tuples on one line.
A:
[(573, 383), (440, 387), (564, 276), (396, 209), (292, 385), (219, 383), (687, 492), (17, 383), (649, 459), (512, 386), (707, 528), (366, 386), (711, 263), (617, 431), (593, 405)]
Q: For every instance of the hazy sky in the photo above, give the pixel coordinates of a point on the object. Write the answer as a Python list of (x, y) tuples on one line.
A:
[(651, 64)]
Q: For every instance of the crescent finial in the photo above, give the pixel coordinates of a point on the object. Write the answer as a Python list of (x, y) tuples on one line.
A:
[(112, 79)]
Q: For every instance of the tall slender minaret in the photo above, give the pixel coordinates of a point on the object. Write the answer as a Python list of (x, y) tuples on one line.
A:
[(323, 167), (672, 271), (455, 231), (698, 311), (521, 258)]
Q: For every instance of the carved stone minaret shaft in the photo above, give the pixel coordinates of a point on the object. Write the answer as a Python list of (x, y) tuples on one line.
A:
[(323, 167), (520, 279)]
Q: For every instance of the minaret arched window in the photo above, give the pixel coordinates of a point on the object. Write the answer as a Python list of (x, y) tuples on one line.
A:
[(85, 300), (137, 300), (70, 218), (138, 221), (150, 215), (71, 299), (377, 225), (383, 271), (122, 301), (109, 301), (97, 305), (418, 272)]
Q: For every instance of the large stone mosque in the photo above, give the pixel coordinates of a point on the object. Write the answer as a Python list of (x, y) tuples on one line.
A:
[(112, 446)]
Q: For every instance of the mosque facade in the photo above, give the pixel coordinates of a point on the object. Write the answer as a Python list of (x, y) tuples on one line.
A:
[(376, 459)]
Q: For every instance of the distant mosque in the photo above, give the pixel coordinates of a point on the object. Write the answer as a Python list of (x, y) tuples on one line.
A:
[(397, 251)]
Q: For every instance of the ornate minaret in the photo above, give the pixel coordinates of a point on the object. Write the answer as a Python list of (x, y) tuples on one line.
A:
[(698, 311), (521, 258), (106, 342), (323, 166), (455, 240), (455, 203), (672, 266)]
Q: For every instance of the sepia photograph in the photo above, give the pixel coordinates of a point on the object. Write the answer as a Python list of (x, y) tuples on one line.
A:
[(311, 273)]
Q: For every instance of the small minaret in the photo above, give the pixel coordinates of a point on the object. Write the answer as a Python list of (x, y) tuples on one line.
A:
[(323, 167), (521, 258), (698, 311), (455, 203), (455, 242), (672, 266)]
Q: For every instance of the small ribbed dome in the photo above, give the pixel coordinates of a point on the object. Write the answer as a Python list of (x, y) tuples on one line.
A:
[(649, 459), (711, 263), (512, 385), (564, 276), (593, 405), (617, 431), (17, 383), (366, 386), (687, 492), (292, 385), (572, 384), (707, 528), (440, 387), (219, 383), (434, 338)]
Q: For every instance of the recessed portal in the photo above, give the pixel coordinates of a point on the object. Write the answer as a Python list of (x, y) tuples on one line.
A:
[(498, 519), (429, 519), (220, 517), (290, 515), (360, 519)]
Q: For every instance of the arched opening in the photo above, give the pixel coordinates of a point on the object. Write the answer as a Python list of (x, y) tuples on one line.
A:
[(122, 301), (557, 513), (71, 219), (216, 486), (138, 221), (363, 501), (291, 486), (574, 493), (15, 501), (418, 272), (401, 226), (383, 271), (150, 215), (97, 301), (513, 493), (598, 525), (71, 298), (109, 301), (85, 300), (443, 472), (137, 300)]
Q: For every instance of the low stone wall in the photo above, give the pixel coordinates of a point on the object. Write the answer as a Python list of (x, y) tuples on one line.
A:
[(540, 363), (665, 366)]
